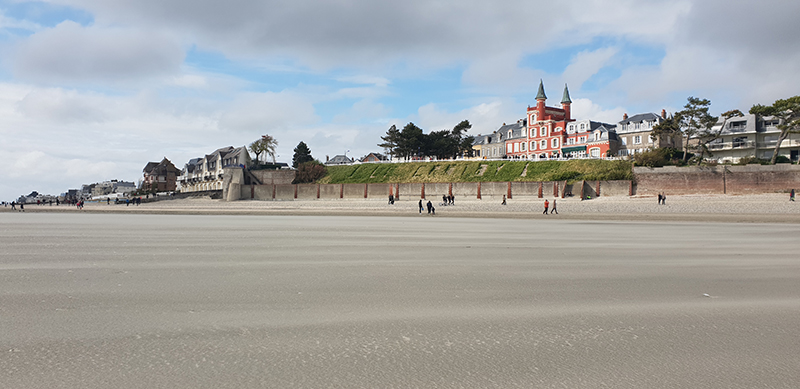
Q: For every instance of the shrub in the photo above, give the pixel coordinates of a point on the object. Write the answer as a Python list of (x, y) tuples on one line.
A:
[(308, 172)]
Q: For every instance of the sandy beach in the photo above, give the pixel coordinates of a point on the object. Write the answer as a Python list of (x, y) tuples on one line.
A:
[(98, 299), (761, 208)]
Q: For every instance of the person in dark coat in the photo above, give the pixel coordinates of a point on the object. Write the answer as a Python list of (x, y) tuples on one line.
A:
[(420, 205), (430, 207), (554, 208)]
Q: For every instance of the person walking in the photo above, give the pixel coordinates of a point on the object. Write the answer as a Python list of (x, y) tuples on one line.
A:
[(546, 207), (22, 207), (554, 208), (420, 205), (13, 205), (663, 199), (791, 195), (659, 199), (430, 206), (504, 200)]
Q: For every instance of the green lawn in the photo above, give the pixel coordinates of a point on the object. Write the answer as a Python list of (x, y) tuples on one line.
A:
[(480, 171)]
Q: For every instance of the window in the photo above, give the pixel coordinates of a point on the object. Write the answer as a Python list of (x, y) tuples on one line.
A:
[(533, 145), (543, 144), (554, 143), (516, 147), (508, 148), (509, 134), (544, 131), (583, 125), (570, 141), (637, 140), (557, 129), (582, 139), (524, 132), (595, 152), (522, 146), (597, 135), (571, 129), (624, 140)]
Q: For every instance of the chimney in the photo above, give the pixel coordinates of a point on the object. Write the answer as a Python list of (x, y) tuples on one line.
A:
[(326, 158), (663, 113), (625, 116)]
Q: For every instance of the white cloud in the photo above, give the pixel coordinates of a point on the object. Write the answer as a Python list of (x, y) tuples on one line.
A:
[(586, 64), (268, 112), (70, 53)]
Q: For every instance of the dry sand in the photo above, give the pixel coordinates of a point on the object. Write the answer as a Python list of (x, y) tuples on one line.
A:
[(762, 208), (109, 300)]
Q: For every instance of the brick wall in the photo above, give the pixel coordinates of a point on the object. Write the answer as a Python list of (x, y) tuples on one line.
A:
[(717, 179)]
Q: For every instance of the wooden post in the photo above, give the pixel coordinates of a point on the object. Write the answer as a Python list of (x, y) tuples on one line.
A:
[(365, 190), (273, 191), (397, 192), (318, 191), (252, 191), (540, 188), (422, 194), (479, 191), (597, 192), (508, 195), (341, 191), (450, 189), (555, 188)]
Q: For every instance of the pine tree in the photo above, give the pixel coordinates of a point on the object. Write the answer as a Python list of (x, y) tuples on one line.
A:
[(302, 154)]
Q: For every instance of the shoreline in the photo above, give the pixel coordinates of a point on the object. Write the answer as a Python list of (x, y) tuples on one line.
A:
[(761, 208)]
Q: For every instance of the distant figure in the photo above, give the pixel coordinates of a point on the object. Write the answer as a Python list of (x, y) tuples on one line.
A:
[(663, 198), (22, 207), (430, 207), (504, 200), (546, 207), (127, 202), (659, 199), (445, 200), (57, 202), (391, 199), (13, 206), (420, 205), (452, 200), (791, 195), (108, 200), (554, 208)]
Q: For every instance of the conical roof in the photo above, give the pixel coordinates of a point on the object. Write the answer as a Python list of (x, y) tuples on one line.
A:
[(540, 95), (566, 99)]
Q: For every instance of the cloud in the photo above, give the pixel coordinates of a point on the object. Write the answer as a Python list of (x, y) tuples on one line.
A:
[(586, 64), (268, 112), (70, 53)]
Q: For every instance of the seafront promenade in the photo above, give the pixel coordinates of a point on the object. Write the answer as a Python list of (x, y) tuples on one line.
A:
[(765, 208)]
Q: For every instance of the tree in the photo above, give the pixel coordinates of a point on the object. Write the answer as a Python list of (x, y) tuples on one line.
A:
[(463, 144), (411, 141), (309, 172), (266, 145), (391, 141), (693, 118), (302, 154), (708, 134), (669, 128), (787, 111)]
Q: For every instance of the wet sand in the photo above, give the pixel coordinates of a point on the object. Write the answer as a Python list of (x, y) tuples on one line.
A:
[(98, 300)]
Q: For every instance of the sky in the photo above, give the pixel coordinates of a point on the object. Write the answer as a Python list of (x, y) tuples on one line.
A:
[(92, 90)]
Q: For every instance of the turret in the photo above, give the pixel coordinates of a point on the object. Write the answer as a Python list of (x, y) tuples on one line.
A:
[(566, 102), (540, 99)]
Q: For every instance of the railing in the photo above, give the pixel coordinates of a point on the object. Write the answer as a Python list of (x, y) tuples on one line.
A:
[(732, 145), (785, 143)]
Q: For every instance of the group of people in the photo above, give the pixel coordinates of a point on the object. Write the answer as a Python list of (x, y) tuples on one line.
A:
[(662, 199), (547, 207), (448, 200), (431, 208)]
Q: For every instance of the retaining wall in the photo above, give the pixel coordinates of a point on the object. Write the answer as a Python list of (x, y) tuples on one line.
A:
[(747, 179)]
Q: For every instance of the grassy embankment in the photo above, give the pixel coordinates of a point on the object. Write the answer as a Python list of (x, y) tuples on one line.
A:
[(479, 171)]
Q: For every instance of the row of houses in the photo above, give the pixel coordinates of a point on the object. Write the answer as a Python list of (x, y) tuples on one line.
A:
[(551, 133)]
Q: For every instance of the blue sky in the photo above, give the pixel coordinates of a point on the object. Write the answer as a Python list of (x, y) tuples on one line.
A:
[(91, 90)]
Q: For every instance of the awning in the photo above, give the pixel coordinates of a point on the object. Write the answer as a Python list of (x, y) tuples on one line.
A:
[(572, 149)]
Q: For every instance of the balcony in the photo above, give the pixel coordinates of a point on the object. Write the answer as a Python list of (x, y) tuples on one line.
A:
[(785, 143), (732, 145)]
